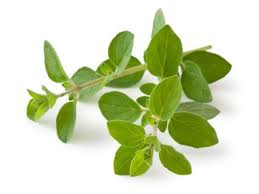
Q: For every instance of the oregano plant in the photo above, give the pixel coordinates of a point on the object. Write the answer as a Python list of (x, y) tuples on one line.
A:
[(159, 107)]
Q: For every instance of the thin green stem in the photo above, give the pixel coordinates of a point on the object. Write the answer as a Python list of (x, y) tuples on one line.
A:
[(115, 75)]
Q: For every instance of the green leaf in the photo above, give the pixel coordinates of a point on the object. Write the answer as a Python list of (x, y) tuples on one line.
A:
[(153, 140), (127, 81), (116, 105), (120, 50), (159, 22), (37, 108), (36, 95), (192, 130), (141, 161), (144, 120), (65, 122), (213, 66), (122, 160), (143, 100), (165, 98), (52, 98), (126, 133), (83, 75), (164, 53), (162, 125), (147, 88), (174, 161), (194, 84), (203, 110), (52, 64)]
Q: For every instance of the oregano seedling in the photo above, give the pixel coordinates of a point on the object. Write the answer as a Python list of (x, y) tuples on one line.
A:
[(160, 106)]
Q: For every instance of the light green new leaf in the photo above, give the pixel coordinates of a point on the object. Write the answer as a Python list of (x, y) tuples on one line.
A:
[(174, 161), (116, 105), (153, 140), (192, 130), (126, 133), (147, 88), (213, 66), (83, 75), (159, 22), (144, 119), (205, 111), (120, 50), (164, 53), (141, 161), (107, 68), (36, 95), (122, 160), (52, 64), (52, 98), (194, 84), (143, 100), (37, 108), (165, 98), (65, 122)]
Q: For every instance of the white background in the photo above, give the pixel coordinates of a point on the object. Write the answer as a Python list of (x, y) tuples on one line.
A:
[(33, 160)]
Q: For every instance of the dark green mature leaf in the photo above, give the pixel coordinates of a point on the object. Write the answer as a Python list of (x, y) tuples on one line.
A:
[(164, 53), (213, 66), (37, 108), (120, 50), (141, 161), (165, 98), (122, 160), (126, 133), (147, 88), (107, 68), (83, 75), (194, 84), (116, 105), (143, 100), (205, 111), (192, 130), (174, 161), (162, 125), (65, 122), (159, 22), (52, 98), (52, 64)]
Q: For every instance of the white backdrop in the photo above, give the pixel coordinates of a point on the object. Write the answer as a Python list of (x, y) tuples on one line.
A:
[(33, 160)]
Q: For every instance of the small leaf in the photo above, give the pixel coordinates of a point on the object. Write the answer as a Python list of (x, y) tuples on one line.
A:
[(147, 88), (153, 140), (125, 81), (83, 75), (164, 53), (141, 161), (194, 84), (142, 100), (213, 66), (37, 108), (65, 122), (120, 50), (165, 98), (205, 111), (159, 22), (126, 133), (144, 120), (122, 160), (174, 161), (116, 105), (192, 130), (52, 98), (52, 64), (162, 125), (36, 95)]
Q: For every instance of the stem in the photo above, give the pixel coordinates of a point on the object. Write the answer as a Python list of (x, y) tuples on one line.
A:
[(115, 75)]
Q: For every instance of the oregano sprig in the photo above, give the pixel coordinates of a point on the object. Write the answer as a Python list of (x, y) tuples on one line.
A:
[(160, 107)]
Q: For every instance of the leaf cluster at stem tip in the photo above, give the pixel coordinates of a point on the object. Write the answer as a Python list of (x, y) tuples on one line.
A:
[(160, 107)]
